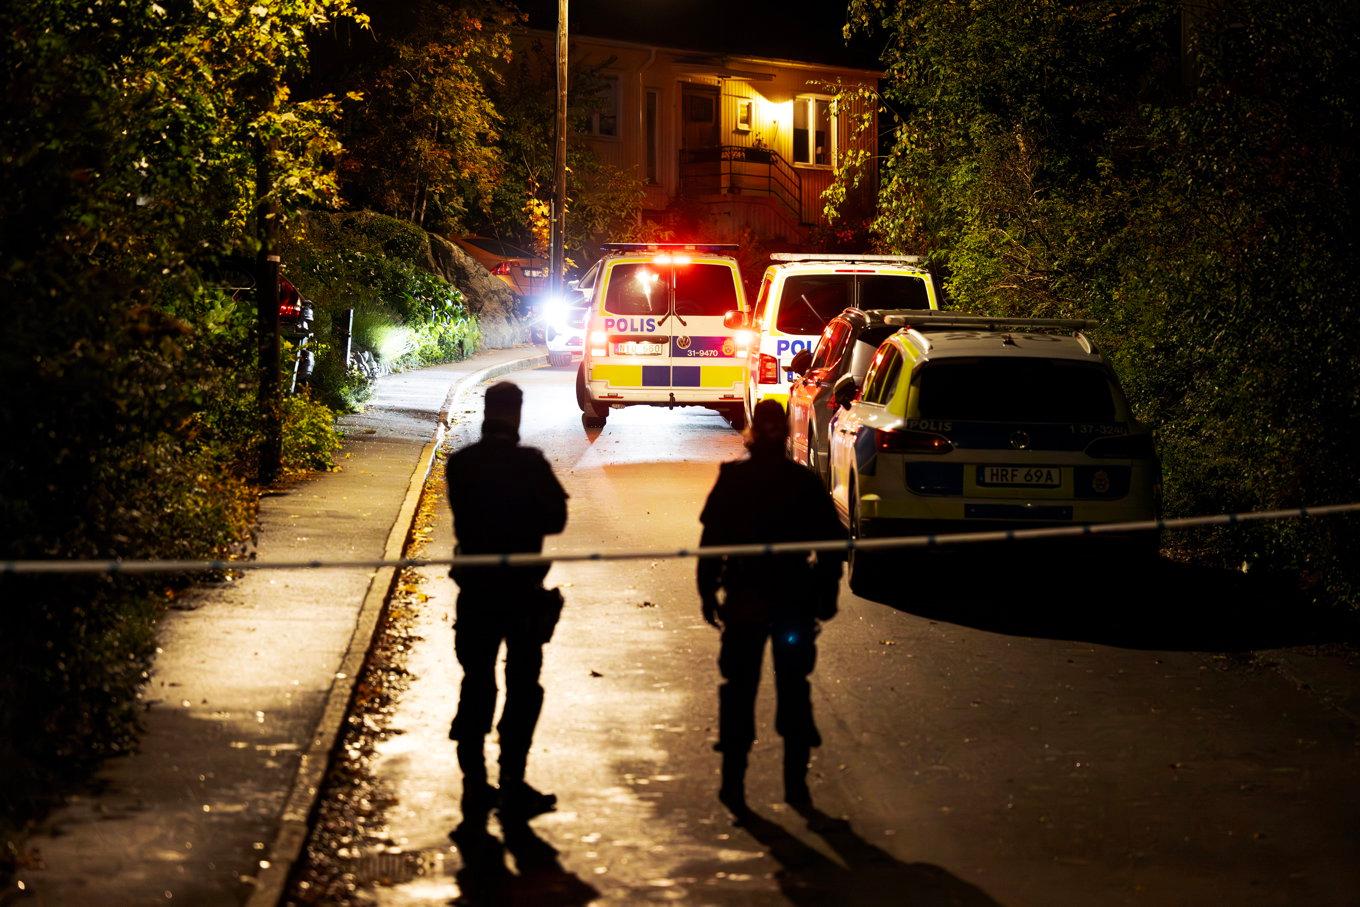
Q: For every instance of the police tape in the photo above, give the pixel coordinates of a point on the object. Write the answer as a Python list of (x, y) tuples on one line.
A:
[(137, 567)]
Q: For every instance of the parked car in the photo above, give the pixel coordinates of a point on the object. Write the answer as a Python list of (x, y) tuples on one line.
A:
[(521, 270), (565, 320), (666, 328), (800, 293), (987, 425), (846, 347)]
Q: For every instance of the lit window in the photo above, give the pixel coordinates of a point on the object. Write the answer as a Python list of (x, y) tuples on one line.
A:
[(814, 131)]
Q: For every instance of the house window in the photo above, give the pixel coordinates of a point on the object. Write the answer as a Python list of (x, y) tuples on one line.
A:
[(814, 131), (743, 116), (652, 105), (605, 120)]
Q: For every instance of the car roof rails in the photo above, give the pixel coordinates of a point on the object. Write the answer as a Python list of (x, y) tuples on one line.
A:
[(831, 256), (659, 246), (930, 319)]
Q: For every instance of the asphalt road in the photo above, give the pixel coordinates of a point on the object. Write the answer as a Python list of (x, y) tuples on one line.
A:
[(1027, 729)]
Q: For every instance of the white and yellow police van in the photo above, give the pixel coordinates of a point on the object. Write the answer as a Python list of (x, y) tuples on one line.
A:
[(666, 327), (801, 293)]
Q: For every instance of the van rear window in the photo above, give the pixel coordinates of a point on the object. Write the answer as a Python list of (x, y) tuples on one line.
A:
[(637, 289), (989, 389), (705, 289), (809, 301)]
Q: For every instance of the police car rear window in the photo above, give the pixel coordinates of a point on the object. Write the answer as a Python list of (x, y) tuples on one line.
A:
[(809, 301), (705, 289), (1015, 390), (892, 291), (637, 289)]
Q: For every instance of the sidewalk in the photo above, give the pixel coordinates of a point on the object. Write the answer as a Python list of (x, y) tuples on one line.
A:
[(244, 672)]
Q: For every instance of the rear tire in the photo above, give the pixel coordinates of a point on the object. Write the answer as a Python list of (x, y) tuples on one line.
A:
[(592, 414), (736, 417), (559, 358)]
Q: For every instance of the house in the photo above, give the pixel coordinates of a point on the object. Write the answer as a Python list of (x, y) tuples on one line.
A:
[(753, 140)]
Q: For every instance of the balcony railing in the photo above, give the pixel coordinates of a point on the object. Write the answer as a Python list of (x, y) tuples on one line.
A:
[(742, 170)]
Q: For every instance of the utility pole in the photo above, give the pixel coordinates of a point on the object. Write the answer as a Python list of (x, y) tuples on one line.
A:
[(559, 212), (267, 316)]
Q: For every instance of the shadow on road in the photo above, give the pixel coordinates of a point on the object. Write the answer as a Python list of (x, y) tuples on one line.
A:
[(1163, 606), (484, 878), (863, 875)]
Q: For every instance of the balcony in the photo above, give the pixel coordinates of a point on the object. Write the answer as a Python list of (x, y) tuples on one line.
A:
[(721, 172)]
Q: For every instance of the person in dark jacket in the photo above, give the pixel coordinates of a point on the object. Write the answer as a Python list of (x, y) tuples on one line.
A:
[(505, 499), (781, 598)]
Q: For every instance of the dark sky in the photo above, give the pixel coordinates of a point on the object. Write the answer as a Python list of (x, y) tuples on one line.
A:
[(807, 30)]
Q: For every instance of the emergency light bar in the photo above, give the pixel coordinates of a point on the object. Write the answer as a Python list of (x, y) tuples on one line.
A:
[(664, 246), (828, 256), (931, 319)]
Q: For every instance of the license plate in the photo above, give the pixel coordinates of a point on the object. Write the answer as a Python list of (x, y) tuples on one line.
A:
[(1019, 476), (533, 272), (639, 348)]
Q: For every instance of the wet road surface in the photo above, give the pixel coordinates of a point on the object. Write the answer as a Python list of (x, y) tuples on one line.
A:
[(1016, 732)]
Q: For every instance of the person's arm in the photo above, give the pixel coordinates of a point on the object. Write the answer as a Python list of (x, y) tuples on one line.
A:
[(708, 573), (552, 499), (821, 513)]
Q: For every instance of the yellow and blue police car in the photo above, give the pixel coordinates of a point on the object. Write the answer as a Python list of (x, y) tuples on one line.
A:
[(667, 327), (967, 423), (801, 292)]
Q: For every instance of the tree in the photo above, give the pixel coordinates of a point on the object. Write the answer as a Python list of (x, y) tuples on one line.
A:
[(422, 131)]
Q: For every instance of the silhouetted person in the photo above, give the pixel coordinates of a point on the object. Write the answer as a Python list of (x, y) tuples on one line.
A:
[(505, 498), (782, 598)]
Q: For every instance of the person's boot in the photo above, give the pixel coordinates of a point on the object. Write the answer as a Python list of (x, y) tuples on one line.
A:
[(519, 801), (479, 797), (796, 792), (732, 793)]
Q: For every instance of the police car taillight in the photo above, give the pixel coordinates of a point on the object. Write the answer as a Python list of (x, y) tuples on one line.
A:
[(911, 442), (768, 370), (599, 343)]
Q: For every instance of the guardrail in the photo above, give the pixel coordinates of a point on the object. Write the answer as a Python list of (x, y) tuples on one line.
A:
[(115, 567)]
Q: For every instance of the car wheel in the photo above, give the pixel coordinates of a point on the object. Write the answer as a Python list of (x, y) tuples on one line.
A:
[(736, 417), (559, 358), (593, 422)]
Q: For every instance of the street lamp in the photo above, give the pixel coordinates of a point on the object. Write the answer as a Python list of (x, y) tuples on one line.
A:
[(559, 213)]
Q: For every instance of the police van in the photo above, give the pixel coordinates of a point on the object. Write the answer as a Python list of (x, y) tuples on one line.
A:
[(801, 293), (666, 327)]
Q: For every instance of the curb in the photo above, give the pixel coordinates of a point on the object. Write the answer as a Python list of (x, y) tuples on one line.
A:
[(295, 823)]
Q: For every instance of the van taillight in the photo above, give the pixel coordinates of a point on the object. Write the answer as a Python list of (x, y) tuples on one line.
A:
[(912, 442), (768, 371), (502, 269), (1123, 447)]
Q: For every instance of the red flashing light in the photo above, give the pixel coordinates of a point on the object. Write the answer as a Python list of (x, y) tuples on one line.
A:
[(854, 270), (768, 370), (671, 258)]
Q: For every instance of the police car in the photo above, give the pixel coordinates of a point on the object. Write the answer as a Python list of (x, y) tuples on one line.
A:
[(666, 327), (800, 293), (965, 423)]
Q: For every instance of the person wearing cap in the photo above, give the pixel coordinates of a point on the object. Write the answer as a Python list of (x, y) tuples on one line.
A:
[(781, 598), (505, 499)]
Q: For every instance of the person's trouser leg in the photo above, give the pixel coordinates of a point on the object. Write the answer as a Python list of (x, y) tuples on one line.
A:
[(739, 657), (523, 703), (475, 646), (795, 655)]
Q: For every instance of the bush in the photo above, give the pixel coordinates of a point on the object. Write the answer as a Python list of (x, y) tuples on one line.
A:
[(310, 437), (404, 314)]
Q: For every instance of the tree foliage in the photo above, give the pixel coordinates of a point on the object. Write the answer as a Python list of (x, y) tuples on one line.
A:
[(128, 134), (1198, 198), (422, 132)]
